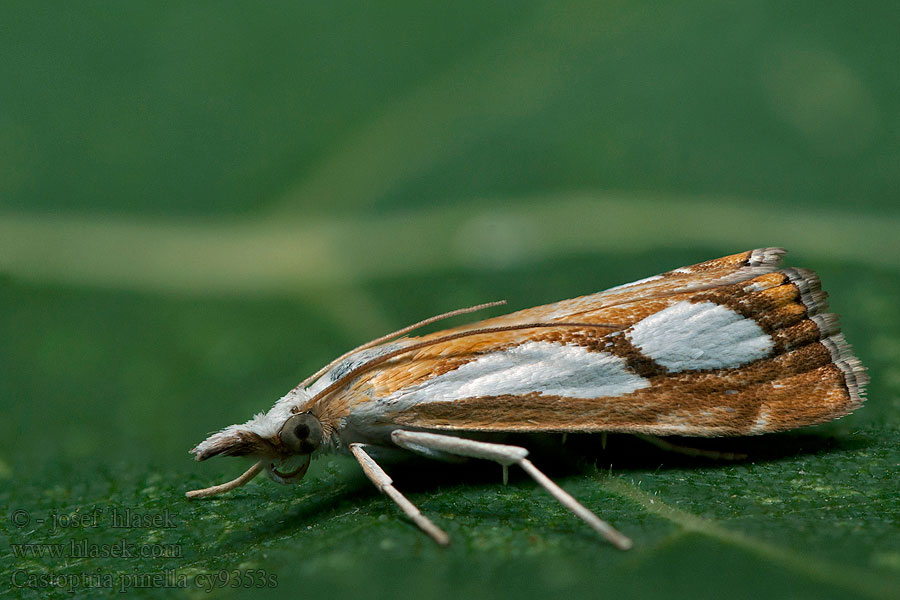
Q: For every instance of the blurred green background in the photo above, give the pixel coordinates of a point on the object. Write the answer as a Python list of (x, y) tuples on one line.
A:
[(202, 203)]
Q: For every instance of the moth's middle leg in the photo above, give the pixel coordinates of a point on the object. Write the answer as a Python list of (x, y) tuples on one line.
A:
[(509, 455)]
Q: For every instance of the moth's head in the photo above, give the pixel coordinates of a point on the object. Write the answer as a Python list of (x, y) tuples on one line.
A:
[(283, 438)]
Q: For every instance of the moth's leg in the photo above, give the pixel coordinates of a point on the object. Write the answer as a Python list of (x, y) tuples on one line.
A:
[(510, 455), (688, 451), (445, 457), (431, 453), (384, 483)]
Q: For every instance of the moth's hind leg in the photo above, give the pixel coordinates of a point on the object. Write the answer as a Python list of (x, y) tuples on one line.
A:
[(385, 484), (509, 455), (688, 451)]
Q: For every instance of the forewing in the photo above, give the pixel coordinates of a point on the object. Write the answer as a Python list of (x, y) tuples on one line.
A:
[(723, 347)]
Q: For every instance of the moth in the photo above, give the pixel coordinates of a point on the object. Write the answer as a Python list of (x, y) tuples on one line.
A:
[(728, 347)]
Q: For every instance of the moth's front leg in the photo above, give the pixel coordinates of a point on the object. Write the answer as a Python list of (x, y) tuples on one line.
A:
[(509, 455), (384, 483)]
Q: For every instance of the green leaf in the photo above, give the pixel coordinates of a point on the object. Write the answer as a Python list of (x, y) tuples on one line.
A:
[(202, 205)]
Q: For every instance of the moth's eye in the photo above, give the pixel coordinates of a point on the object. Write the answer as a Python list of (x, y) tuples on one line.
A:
[(302, 433)]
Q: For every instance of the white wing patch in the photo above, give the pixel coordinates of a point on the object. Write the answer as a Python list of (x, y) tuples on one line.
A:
[(696, 336), (534, 367), (761, 425)]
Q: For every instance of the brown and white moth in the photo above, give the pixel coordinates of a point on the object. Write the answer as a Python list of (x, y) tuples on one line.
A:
[(731, 346)]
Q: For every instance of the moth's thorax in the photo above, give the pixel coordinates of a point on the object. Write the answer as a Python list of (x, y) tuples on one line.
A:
[(335, 410), (349, 364)]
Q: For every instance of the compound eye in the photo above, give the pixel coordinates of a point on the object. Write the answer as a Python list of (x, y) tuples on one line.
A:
[(302, 433)]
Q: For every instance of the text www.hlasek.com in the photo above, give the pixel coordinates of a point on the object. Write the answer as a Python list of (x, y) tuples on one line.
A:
[(82, 548), (123, 582)]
